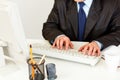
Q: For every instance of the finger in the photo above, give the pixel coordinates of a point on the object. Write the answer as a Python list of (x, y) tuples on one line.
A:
[(85, 49), (54, 44), (58, 43), (90, 50), (71, 45), (81, 48), (61, 43), (66, 45), (98, 51), (94, 53)]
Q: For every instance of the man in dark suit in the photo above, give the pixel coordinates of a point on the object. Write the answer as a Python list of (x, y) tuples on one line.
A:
[(102, 27)]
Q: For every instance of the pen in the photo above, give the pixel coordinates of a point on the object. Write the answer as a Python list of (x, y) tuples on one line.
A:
[(41, 59), (38, 68)]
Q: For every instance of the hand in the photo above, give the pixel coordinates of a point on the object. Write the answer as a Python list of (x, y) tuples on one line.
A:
[(91, 49), (62, 42)]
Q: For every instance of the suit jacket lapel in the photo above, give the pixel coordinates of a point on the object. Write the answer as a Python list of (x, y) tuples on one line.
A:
[(93, 16), (72, 16)]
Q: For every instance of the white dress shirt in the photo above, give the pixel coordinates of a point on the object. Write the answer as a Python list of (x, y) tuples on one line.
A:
[(86, 7)]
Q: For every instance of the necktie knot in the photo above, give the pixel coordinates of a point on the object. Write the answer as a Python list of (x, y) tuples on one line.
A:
[(81, 4)]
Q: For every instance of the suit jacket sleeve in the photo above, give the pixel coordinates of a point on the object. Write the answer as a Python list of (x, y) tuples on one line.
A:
[(51, 28), (113, 35)]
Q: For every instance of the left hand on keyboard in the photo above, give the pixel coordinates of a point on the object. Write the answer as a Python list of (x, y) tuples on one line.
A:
[(62, 42)]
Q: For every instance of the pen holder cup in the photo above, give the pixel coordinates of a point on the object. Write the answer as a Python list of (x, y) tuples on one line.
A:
[(36, 70)]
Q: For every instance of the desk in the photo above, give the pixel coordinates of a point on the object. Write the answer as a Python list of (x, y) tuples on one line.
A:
[(65, 71), (75, 71)]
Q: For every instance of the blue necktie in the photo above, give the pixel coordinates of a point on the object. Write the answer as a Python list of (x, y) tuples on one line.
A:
[(81, 21)]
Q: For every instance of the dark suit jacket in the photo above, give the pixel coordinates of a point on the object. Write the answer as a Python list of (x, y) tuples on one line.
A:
[(103, 21)]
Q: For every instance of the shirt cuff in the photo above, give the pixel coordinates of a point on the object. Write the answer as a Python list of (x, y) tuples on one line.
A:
[(60, 36), (99, 44)]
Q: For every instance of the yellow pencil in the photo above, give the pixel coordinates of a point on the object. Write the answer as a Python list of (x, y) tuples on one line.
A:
[(31, 56), (33, 62)]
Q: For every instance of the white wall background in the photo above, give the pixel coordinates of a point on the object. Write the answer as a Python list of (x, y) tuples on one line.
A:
[(33, 14)]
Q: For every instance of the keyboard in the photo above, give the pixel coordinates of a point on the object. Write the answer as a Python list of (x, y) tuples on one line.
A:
[(43, 47)]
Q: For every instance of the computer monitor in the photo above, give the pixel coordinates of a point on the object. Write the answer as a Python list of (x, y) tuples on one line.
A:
[(11, 31)]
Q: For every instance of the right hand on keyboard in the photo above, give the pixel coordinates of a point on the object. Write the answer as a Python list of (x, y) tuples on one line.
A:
[(62, 42), (91, 49)]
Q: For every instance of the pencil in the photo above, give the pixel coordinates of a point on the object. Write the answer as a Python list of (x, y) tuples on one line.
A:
[(31, 57), (32, 61)]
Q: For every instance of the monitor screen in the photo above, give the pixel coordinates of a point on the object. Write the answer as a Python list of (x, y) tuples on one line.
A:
[(11, 31)]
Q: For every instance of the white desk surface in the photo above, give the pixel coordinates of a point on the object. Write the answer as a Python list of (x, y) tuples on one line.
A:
[(75, 71), (65, 71)]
